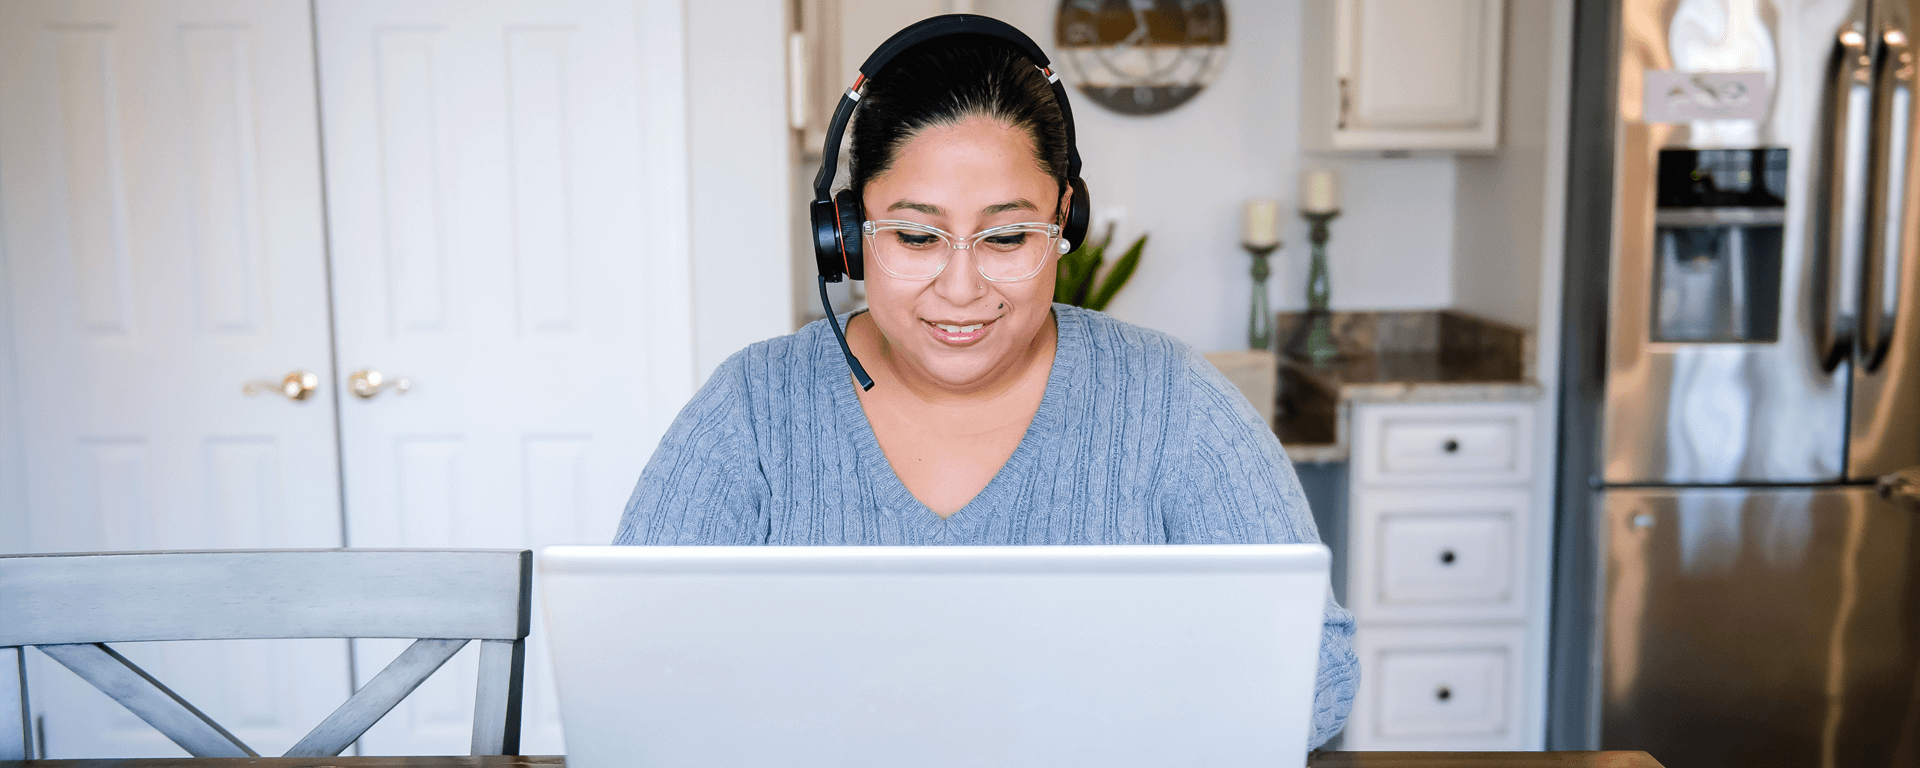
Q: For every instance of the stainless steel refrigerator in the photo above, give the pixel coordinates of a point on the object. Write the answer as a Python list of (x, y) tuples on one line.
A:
[(1760, 600)]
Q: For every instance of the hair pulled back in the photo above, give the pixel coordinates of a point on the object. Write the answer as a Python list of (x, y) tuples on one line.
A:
[(945, 81)]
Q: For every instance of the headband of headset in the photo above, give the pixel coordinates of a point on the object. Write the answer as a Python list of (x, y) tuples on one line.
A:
[(920, 32)]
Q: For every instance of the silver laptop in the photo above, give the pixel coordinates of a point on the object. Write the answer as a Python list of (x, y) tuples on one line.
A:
[(935, 656)]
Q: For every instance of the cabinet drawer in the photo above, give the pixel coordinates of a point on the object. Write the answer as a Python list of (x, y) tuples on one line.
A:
[(1448, 445), (1453, 444), (1439, 689), (1446, 558), (1448, 554)]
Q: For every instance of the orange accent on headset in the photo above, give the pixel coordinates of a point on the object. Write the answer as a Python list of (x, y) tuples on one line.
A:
[(840, 237)]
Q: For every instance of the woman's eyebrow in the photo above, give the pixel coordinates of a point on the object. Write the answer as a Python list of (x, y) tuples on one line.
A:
[(934, 210), (909, 205)]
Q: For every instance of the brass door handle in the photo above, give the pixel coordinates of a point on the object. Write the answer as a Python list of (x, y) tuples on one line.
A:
[(296, 386), (367, 382)]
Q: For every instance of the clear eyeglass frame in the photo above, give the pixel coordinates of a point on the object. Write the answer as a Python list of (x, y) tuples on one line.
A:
[(955, 243)]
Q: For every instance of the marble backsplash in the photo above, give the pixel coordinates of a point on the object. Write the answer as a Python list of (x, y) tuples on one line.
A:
[(1457, 339)]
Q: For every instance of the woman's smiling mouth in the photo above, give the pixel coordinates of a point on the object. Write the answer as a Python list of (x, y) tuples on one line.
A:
[(958, 334)]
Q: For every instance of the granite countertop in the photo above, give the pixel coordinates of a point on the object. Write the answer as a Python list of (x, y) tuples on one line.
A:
[(1417, 377), (1443, 356)]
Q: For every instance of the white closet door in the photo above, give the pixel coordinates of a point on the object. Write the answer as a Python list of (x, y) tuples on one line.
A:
[(505, 196), (160, 198)]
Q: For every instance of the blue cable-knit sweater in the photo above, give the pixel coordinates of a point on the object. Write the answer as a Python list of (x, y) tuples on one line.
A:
[(1138, 440)]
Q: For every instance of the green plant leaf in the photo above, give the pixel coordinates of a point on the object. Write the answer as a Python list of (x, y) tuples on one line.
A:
[(1066, 283), (1088, 267), (1075, 272), (1118, 276)]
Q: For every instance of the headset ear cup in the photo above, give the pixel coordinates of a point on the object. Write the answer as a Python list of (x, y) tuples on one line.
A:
[(826, 240), (1079, 213), (852, 243)]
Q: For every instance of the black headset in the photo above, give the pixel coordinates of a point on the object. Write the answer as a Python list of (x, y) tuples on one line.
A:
[(837, 218)]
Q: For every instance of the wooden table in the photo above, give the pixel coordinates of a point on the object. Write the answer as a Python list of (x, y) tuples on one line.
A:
[(1320, 760), (1490, 759)]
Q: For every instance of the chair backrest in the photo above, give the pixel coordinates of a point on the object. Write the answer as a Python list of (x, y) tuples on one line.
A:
[(70, 605)]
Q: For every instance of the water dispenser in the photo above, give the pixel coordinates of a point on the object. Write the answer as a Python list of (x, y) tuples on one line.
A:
[(1718, 230)]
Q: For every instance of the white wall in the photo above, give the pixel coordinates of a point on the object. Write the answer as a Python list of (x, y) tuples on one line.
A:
[(13, 461), (1392, 246), (1184, 175), (1498, 248), (738, 166)]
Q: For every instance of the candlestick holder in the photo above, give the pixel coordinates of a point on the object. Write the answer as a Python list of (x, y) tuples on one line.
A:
[(1313, 341), (1260, 322)]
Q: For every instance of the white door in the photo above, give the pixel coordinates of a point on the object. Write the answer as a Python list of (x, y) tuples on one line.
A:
[(497, 174), (160, 196)]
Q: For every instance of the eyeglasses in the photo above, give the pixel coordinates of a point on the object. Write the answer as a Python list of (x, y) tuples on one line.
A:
[(1003, 254)]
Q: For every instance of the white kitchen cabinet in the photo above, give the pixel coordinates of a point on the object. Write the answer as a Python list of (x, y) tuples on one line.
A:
[(1403, 75), (1444, 573)]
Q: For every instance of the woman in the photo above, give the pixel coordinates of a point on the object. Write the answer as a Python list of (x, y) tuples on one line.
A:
[(996, 416)]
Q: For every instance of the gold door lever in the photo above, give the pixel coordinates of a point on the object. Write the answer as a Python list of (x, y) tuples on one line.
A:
[(367, 383), (296, 386)]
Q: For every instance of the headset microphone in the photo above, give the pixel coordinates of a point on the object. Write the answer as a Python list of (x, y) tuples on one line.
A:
[(859, 371), (837, 218)]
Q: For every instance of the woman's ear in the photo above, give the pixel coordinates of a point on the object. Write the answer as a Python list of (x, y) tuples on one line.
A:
[(1066, 205)]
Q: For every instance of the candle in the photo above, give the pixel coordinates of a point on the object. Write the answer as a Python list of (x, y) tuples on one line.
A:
[(1261, 228), (1319, 192)]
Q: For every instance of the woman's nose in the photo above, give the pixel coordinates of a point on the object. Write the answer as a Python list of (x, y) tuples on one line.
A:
[(960, 283)]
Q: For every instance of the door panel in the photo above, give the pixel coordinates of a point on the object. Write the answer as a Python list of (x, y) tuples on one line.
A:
[(1760, 627), (1420, 65), (1884, 422), (1700, 412), (161, 200), (493, 243)]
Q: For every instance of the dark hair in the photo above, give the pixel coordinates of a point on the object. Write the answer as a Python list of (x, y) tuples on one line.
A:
[(944, 81)]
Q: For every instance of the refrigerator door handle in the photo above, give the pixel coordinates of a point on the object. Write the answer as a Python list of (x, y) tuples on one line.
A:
[(1893, 76), (1841, 209), (1902, 488)]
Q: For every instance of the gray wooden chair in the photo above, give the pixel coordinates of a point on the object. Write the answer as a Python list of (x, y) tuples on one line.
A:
[(69, 606)]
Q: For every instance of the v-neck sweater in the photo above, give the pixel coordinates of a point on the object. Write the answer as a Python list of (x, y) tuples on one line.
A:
[(1138, 440)]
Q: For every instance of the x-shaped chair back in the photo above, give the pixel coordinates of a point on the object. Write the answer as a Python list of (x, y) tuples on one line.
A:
[(70, 606)]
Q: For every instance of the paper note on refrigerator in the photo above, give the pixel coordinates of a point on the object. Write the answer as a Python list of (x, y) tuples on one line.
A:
[(1683, 97)]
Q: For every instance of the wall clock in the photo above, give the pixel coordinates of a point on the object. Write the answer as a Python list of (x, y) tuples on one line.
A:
[(1141, 57)]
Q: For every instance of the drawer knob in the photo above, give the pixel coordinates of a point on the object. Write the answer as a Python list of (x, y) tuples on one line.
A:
[(1443, 694), (1446, 557), (1451, 446)]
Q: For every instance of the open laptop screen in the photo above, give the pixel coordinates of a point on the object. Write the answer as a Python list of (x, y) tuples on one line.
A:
[(935, 656)]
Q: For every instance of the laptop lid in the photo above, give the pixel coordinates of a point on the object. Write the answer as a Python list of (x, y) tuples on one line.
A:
[(935, 656)]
